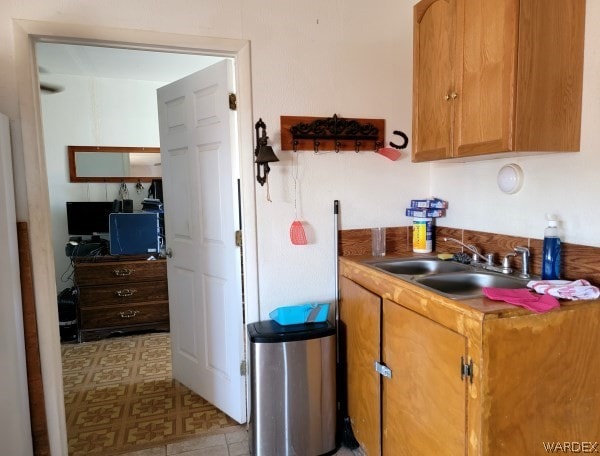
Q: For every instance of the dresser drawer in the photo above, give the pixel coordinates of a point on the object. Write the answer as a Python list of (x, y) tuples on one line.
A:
[(124, 315), (104, 273), (124, 293)]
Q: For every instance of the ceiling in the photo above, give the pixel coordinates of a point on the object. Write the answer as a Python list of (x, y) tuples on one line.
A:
[(118, 63)]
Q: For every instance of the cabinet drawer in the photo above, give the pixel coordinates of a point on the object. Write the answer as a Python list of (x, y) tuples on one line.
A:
[(119, 272), (124, 293), (124, 315)]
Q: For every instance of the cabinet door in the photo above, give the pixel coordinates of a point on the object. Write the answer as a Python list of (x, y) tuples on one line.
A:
[(424, 402), (433, 82), (486, 53), (360, 314)]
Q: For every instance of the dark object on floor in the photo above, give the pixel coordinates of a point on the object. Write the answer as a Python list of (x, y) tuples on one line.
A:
[(67, 314), (348, 439)]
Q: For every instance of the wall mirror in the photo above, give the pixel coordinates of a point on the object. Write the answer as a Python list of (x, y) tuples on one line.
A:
[(113, 164)]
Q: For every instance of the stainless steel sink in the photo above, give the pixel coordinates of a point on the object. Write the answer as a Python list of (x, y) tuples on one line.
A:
[(449, 278), (418, 266), (468, 284)]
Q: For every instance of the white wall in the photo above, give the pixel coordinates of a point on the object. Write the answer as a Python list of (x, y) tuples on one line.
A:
[(319, 58), (99, 112)]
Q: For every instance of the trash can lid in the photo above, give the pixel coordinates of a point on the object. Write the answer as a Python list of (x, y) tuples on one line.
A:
[(269, 331)]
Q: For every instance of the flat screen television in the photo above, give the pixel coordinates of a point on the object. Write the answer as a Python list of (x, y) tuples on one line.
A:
[(88, 218)]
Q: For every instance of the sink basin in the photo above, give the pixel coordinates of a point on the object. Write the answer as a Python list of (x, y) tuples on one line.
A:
[(419, 266), (468, 284)]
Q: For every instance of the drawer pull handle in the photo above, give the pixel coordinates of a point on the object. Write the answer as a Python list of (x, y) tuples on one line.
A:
[(126, 292), (129, 313), (123, 272)]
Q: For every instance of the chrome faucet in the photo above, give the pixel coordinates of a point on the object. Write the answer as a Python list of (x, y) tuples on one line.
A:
[(524, 251), (506, 269), (488, 258)]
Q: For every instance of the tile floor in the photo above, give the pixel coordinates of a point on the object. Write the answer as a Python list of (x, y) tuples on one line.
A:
[(233, 442)]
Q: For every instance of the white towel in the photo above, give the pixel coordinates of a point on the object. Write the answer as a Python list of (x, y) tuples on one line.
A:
[(565, 289)]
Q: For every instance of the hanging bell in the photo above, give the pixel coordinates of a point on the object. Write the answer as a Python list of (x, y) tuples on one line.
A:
[(266, 155), (263, 153)]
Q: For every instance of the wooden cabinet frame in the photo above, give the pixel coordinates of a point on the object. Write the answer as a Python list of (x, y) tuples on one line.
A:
[(496, 77), (535, 377)]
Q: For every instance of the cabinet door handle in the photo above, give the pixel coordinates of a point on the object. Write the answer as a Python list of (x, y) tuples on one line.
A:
[(447, 97), (453, 95), (123, 272), (129, 313), (126, 292)]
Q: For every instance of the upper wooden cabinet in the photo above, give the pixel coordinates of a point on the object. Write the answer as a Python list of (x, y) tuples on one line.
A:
[(496, 76)]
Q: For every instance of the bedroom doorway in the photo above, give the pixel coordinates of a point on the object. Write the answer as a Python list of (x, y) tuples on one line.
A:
[(114, 91)]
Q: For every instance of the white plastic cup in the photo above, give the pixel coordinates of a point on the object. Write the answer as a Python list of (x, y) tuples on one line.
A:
[(378, 242)]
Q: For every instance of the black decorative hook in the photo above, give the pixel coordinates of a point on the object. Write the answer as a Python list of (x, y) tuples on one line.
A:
[(403, 136), (317, 143)]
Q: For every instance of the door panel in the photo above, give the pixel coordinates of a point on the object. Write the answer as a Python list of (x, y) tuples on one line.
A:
[(360, 316), (433, 79), (424, 403), (201, 207), (486, 46)]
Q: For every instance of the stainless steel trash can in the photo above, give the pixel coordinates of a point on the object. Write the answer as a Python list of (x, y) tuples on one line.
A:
[(293, 397)]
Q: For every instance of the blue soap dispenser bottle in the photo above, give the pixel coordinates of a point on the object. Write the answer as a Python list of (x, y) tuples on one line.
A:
[(551, 250)]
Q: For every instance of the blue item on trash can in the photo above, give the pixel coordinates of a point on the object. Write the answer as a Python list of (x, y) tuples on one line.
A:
[(304, 313)]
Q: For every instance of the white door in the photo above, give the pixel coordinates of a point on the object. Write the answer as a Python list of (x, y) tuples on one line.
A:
[(199, 164)]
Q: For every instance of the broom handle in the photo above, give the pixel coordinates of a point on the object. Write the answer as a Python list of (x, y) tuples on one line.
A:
[(336, 210)]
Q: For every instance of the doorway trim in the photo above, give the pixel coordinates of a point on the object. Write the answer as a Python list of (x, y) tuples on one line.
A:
[(26, 34)]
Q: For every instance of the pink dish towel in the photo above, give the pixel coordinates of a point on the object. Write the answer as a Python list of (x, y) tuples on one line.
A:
[(523, 297), (565, 289)]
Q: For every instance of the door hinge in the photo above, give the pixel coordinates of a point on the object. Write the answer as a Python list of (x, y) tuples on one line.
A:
[(243, 368), (382, 369), (238, 238), (466, 370), (232, 101)]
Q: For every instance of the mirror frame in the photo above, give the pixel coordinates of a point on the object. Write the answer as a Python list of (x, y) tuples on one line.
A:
[(72, 150)]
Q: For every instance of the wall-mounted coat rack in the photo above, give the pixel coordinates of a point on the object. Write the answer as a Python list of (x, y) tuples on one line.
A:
[(335, 133)]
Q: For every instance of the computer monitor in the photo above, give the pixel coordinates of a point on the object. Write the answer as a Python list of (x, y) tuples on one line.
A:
[(87, 218)]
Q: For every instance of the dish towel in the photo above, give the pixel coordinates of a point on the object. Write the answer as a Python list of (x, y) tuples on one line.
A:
[(523, 297), (565, 289)]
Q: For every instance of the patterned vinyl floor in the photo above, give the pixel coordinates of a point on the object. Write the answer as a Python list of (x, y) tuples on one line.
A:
[(120, 397)]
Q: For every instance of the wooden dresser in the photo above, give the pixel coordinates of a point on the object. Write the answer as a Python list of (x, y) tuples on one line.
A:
[(120, 295)]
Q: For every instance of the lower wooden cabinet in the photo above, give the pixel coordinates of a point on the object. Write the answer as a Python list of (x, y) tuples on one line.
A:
[(420, 407), (464, 378)]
